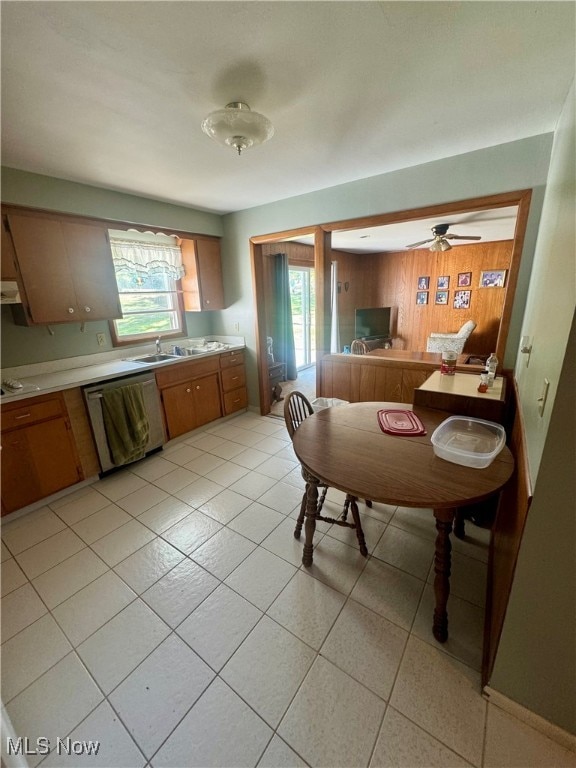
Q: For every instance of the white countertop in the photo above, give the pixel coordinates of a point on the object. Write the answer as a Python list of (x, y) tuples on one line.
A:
[(464, 384), (56, 375)]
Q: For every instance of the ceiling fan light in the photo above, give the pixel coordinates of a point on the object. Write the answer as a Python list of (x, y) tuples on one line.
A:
[(238, 127), (440, 245)]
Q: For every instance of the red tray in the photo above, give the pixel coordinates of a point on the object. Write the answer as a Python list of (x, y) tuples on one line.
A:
[(400, 422)]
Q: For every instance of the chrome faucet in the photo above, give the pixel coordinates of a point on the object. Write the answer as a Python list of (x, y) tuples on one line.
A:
[(158, 346)]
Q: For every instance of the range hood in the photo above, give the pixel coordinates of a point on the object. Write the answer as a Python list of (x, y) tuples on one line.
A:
[(9, 293)]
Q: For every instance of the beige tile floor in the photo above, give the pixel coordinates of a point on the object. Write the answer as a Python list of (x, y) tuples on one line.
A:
[(164, 612)]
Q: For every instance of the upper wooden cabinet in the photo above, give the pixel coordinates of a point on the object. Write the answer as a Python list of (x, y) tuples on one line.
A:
[(8, 269), (202, 285), (66, 269)]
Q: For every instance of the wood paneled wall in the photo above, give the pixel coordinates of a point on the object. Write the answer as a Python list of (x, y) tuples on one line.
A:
[(359, 282), (391, 279), (398, 280)]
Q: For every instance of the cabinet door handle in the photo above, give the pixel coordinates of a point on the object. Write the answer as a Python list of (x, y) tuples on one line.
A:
[(188, 389), (71, 310), (23, 416), (197, 386), (207, 301), (235, 378), (87, 309)]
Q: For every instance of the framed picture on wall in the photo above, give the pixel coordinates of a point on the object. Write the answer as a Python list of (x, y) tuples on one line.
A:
[(493, 278), (464, 279), (461, 299), (423, 283), (441, 297), (443, 282), (422, 297)]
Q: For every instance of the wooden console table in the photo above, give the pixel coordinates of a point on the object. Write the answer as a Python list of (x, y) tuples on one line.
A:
[(382, 374), (459, 394)]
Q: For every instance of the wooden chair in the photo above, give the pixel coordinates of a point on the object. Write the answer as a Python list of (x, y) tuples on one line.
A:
[(358, 347), (297, 408)]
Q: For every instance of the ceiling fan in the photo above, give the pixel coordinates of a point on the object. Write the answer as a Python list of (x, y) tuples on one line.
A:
[(440, 239)]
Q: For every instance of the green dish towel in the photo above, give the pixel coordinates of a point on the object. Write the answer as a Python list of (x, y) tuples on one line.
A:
[(126, 423)]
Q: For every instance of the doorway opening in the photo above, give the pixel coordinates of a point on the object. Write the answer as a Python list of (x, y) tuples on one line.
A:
[(303, 303)]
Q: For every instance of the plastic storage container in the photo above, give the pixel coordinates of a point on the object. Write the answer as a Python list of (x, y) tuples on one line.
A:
[(326, 402), (471, 442)]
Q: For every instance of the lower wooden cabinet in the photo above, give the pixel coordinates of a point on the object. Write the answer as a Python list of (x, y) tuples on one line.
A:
[(39, 454), (191, 404), (196, 392), (233, 379)]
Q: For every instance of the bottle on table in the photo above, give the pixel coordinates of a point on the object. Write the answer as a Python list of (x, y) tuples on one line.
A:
[(491, 366), (483, 386)]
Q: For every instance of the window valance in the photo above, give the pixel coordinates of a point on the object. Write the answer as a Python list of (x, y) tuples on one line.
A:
[(143, 258)]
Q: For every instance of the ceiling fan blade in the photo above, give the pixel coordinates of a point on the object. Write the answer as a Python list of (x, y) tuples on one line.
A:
[(422, 242), (463, 237)]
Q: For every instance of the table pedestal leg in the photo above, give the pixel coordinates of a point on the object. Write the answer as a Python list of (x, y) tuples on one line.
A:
[(442, 563), (310, 519)]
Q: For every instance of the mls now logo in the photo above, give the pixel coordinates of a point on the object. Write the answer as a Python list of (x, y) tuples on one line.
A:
[(41, 746)]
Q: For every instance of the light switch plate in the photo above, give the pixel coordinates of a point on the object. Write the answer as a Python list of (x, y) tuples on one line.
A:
[(543, 397)]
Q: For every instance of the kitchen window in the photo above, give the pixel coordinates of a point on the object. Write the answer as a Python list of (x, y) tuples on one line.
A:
[(148, 272)]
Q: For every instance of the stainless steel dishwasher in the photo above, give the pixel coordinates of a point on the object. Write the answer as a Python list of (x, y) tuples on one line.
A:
[(93, 398)]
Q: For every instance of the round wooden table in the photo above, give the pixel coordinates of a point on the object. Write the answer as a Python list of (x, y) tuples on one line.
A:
[(344, 448)]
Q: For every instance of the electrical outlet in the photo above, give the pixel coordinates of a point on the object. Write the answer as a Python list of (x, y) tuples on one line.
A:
[(237, 327), (100, 339)]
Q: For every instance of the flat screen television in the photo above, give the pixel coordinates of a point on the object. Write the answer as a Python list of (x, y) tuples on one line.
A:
[(372, 322)]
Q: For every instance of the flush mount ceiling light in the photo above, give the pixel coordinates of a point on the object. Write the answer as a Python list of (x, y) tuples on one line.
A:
[(238, 127)]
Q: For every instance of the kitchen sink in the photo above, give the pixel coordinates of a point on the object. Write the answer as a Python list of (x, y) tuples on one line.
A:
[(154, 358), (192, 351)]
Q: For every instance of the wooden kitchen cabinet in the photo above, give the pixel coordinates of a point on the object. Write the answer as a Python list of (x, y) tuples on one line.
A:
[(191, 404), (233, 379), (190, 393), (39, 454), (8, 264), (202, 286), (66, 270)]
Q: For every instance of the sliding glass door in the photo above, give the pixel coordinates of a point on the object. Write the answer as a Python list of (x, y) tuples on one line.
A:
[(303, 300)]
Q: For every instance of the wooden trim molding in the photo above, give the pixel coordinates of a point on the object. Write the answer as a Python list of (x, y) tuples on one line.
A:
[(506, 538), (322, 248), (503, 200)]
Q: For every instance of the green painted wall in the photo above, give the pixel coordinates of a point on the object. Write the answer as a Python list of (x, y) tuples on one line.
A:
[(504, 168), (536, 663), (21, 345)]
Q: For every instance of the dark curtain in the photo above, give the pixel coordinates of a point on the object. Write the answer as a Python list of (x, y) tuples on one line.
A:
[(282, 331)]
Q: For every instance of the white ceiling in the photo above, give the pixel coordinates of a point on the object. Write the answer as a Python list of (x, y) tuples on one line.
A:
[(490, 225), (112, 94)]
